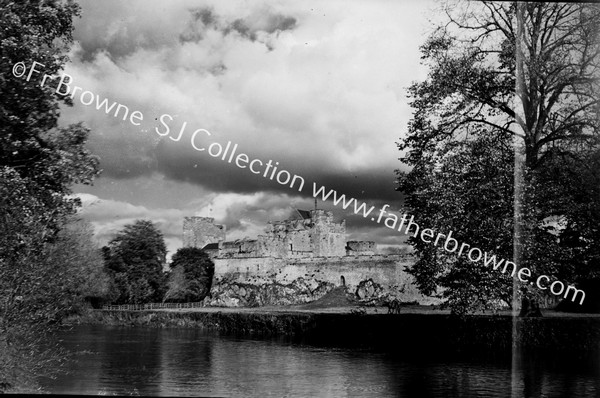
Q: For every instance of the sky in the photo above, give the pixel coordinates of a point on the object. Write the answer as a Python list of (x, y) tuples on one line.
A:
[(317, 86)]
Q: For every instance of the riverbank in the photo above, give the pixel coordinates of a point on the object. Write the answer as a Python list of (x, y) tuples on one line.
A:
[(375, 329)]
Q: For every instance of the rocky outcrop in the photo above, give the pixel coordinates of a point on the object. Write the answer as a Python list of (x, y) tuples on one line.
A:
[(235, 294), (230, 293), (369, 290)]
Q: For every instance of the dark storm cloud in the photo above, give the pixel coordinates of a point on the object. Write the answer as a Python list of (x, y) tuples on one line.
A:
[(270, 23), (123, 159), (249, 27), (221, 176), (112, 28), (201, 20)]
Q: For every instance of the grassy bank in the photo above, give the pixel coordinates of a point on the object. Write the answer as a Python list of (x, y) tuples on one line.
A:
[(379, 331)]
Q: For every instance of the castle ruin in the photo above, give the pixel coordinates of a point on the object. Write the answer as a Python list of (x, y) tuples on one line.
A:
[(298, 260), (311, 233)]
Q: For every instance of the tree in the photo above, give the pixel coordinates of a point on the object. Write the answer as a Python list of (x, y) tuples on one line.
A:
[(177, 286), (191, 275), (467, 189), (524, 72), (49, 158), (576, 193), (45, 283), (135, 260), (80, 249), (39, 162)]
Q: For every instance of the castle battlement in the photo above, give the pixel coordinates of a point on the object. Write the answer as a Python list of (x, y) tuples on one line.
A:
[(308, 233)]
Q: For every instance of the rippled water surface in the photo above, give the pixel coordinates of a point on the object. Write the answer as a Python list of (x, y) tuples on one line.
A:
[(189, 362)]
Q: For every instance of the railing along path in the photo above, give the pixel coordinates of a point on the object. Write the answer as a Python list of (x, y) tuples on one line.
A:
[(151, 306)]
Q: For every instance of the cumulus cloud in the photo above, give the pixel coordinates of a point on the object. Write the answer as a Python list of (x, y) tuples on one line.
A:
[(315, 86), (327, 100)]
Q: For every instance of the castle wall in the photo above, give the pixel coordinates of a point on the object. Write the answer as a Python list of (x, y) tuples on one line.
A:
[(386, 273), (240, 248), (327, 238), (272, 246), (328, 244), (298, 261), (360, 247), (300, 242)]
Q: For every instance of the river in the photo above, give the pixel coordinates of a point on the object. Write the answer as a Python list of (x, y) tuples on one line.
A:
[(111, 360)]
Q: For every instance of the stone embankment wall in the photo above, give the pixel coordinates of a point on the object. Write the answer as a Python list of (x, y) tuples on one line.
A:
[(404, 333), (278, 281)]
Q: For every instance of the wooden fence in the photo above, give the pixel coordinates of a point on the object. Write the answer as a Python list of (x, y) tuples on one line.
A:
[(151, 306)]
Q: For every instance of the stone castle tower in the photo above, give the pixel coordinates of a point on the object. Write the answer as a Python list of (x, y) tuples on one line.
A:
[(200, 231), (327, 237)]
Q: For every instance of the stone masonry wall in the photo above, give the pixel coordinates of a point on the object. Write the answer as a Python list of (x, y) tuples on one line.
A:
[(361, 247), (368, 277)]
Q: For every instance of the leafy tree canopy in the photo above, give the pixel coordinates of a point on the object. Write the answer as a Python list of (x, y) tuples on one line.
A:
[(191, 275), (135, 259), (526, 70), (47, 157), (505, 74), (40, 262)]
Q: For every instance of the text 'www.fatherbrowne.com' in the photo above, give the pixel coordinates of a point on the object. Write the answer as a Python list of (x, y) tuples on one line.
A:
[(450, 244)]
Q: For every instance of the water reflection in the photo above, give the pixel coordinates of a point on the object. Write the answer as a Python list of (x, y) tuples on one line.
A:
[(148, 361), (539, 375)]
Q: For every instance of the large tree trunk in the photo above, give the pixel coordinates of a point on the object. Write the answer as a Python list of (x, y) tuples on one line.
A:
[(530, 306), (525, 155)]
